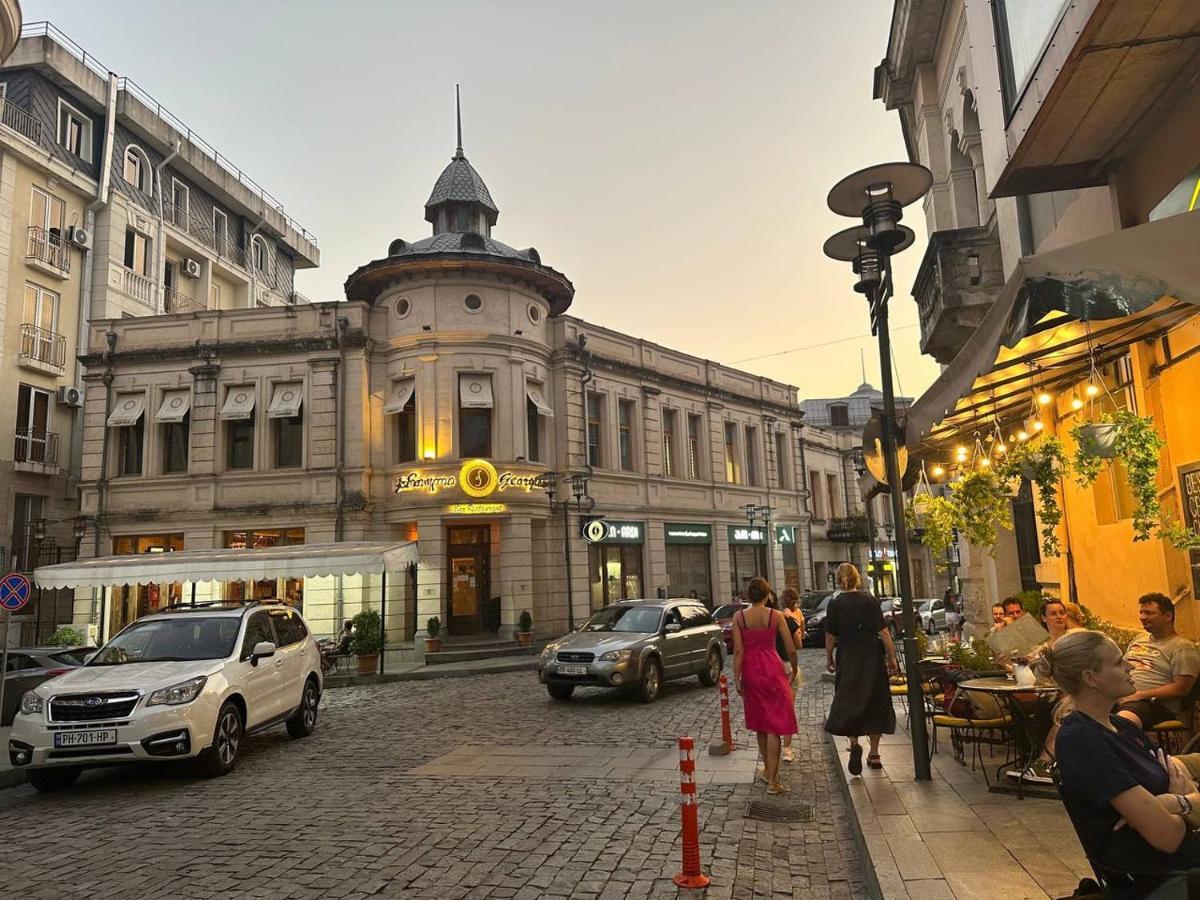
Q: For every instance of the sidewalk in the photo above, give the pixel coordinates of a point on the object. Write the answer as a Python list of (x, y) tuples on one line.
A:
[(419, 672), (951, 838)]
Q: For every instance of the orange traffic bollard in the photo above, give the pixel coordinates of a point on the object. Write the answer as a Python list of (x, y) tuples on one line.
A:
[(691, 876), (726, 728)]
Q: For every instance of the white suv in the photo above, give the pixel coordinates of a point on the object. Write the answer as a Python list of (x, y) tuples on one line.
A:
[(175, 685)]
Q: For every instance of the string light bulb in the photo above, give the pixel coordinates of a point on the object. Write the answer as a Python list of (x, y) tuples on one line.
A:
[(1044, 399), (1076, 403), (1092, 390), (1038, 425), (984, 462), (938, 471), (1001, 449), (1022, 435)]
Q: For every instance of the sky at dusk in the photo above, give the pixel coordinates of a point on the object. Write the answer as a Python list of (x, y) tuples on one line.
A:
[(671, 158)]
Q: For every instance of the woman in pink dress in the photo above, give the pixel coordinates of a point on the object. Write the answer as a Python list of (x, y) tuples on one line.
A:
[(760, 679)]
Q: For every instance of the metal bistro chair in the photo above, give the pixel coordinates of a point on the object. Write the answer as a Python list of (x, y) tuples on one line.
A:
[(1173, 733)]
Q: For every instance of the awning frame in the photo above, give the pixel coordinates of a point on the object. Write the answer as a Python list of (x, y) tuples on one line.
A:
[(123, 416), (487, 398), (533, 390), (236, 412), (166, 416), (403, 390), (280, 408)]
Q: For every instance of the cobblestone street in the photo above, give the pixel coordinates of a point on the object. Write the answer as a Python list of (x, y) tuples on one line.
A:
[(342, 815)]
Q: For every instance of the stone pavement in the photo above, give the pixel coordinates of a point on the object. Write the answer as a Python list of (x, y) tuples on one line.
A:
[(561, 800), (950, 839)]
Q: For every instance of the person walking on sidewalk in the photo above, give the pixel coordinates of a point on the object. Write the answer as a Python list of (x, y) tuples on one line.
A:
[(764, 686), (789, 605), (862, 700)]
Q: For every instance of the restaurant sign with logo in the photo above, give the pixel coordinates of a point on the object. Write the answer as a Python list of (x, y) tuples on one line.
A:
[(613, 531), (683, 533), (476, 478), (785, 534), (744, 534)]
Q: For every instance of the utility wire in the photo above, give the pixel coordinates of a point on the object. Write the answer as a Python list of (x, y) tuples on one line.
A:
[(844, 340)]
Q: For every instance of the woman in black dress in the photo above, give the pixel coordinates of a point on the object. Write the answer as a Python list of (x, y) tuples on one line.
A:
[(862, 701)]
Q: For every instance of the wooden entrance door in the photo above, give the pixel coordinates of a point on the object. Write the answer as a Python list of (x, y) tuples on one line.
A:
[(469, 564)]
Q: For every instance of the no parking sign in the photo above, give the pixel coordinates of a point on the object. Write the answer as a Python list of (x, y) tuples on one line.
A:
[(14, 592)]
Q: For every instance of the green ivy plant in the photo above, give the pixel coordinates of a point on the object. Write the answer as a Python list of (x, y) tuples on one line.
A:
[(981, 505), (1179, 536), (1086, 464), (1043, 462), (1138, 445), (937, 517), (976, 656)]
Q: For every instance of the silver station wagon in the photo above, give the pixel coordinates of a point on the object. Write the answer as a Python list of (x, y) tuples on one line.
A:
[(635, 645)]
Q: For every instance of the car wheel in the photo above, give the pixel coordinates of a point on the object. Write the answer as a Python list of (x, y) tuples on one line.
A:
[(47, 780), (561, 691), (227, 742), (651, 681), (305, 719), (712, 671)]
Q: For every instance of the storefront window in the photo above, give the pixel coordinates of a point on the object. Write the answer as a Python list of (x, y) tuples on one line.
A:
[(130, 602), (288, 590), (746, 561), (615, 573)]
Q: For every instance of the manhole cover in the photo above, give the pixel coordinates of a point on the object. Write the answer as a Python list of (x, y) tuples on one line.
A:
[(768, 811)]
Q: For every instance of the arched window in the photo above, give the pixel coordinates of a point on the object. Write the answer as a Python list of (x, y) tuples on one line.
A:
[(136, 168), (260, 255)]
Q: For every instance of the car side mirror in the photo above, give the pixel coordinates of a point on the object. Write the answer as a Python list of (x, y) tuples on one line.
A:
[(262, 650), (672, 628)]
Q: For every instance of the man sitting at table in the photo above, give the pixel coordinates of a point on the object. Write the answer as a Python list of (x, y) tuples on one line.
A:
[(1164, 666), (998, 620), (1013, 610)]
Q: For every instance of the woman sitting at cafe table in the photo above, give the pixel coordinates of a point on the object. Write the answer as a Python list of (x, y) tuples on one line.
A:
[(1131, 805)]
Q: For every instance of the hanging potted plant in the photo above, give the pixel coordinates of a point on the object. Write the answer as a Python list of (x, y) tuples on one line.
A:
[(936, 517), (365, 643), (1137, 444), (981, 504), (1044, 463), (433, 630)]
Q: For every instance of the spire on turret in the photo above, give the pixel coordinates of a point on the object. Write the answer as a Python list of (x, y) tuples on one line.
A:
[(460, 201), (458, 152)]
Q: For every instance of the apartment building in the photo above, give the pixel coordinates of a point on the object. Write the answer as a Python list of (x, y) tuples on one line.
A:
[(110, 207), (1064, 140), (440, 403)]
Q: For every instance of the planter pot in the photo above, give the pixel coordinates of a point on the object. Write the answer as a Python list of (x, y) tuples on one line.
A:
[(367, 664), (1099, 439), (524, 637), (433, 645)]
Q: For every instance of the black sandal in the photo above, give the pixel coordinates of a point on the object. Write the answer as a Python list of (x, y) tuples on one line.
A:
[(855, 759)]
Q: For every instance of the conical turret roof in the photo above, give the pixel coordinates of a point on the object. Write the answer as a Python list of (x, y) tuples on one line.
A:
[(460, 183)]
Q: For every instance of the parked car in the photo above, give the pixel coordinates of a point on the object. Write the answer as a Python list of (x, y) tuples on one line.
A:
[(932, 615), (635, 645), (724, 617), (180, 684), (890, 616), (30, 666), (814, 605)]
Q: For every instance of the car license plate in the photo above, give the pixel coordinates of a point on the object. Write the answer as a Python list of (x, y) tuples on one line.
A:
[(85, 738), (572, 670)]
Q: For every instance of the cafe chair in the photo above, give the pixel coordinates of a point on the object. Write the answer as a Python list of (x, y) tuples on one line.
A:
[(1172, 734)]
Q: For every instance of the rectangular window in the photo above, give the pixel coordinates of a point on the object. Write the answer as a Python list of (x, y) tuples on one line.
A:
[(669, 424), (814, 491), (839, 415), (132, 170), (625, 414), (214, 295), (595, 429), (239, 449), (1024, 30), (131, 441), (137, 252), (179, 203), (175, 445), (781, 459), (46, 211), (221, 231), (475, 416), (33, 442), (533, 431), (74, 131), (835, 497), (406, 429), (695, 447), (752, 456), (289, 441), (733, 470), (41, 314)]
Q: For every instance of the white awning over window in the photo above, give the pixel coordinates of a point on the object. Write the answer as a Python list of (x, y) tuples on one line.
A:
[(475, 391), (286, 398), (174, 406), (127, 410), (402, 392), (534, 392), (239, 402)]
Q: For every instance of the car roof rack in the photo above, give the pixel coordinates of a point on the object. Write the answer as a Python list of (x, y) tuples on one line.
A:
[(204, 605)]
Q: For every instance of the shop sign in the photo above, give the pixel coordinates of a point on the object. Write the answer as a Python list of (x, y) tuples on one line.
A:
[(1189, 483), (476, 509), (477, 478), (682, 533), (611, 531), (744, 534), (785, 534)]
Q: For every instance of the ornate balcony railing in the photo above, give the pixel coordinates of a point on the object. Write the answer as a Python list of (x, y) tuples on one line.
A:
[(25, 555), (12, 116), (49, 246), (43, 346), (960, 275), (850, 530), (35, 445), (137, 286), (177, 302)]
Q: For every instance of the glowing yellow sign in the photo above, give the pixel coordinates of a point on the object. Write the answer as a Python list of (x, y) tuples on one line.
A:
[(477, 478), (476, 509)]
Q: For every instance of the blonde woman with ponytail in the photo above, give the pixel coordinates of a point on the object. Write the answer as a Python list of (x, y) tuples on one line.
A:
[(860, 653)]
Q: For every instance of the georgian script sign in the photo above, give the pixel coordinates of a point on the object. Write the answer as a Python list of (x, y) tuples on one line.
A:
[(477, 478)]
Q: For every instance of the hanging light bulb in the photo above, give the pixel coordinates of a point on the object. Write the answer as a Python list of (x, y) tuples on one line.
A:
[(1092, 390), (984, 462), (1076, 403), (1038, 425), (1022, 435), (938, 471), (1044, 399), (1001, 449)]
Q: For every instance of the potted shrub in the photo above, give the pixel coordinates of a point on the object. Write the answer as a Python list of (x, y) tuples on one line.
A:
[(66, 637), (433, 639), (525, 628), (365, 643), (1044, 463), (1137, 444)]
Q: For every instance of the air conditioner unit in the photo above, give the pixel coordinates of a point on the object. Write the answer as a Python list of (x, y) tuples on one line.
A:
[(191, 268), (80, 237), (69, 395)]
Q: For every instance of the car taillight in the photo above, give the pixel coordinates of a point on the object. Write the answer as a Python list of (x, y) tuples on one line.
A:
[(54, 672)]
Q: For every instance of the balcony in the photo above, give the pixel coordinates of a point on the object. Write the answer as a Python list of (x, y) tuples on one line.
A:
[(850, 530), (42, 350), (960, 275), (133, 285), (12, 116), (25, 555), (175, 301), (49, 251), (35, 450)]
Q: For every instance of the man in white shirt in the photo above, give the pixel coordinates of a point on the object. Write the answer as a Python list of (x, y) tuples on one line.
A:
[(1164, 666)]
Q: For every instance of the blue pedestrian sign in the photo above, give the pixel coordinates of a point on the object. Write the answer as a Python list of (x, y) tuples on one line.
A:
[(14, 592)]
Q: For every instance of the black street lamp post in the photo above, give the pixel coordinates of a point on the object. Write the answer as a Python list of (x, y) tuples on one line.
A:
[(877, 196), (579, 490)]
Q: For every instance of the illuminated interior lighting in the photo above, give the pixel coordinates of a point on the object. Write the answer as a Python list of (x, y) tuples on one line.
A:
[(1001, 449), (1044, 399), (429, 454), (938, 471), (1092, 390), (1076, 403), (1022, 435), (984, 462), (1038, 425)]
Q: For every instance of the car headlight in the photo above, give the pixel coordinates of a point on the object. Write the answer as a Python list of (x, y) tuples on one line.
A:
[(616, 655), (32, 704), (548, 652), (176, 694)]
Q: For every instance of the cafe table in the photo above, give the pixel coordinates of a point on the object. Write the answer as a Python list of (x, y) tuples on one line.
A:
[(1031, 707)]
